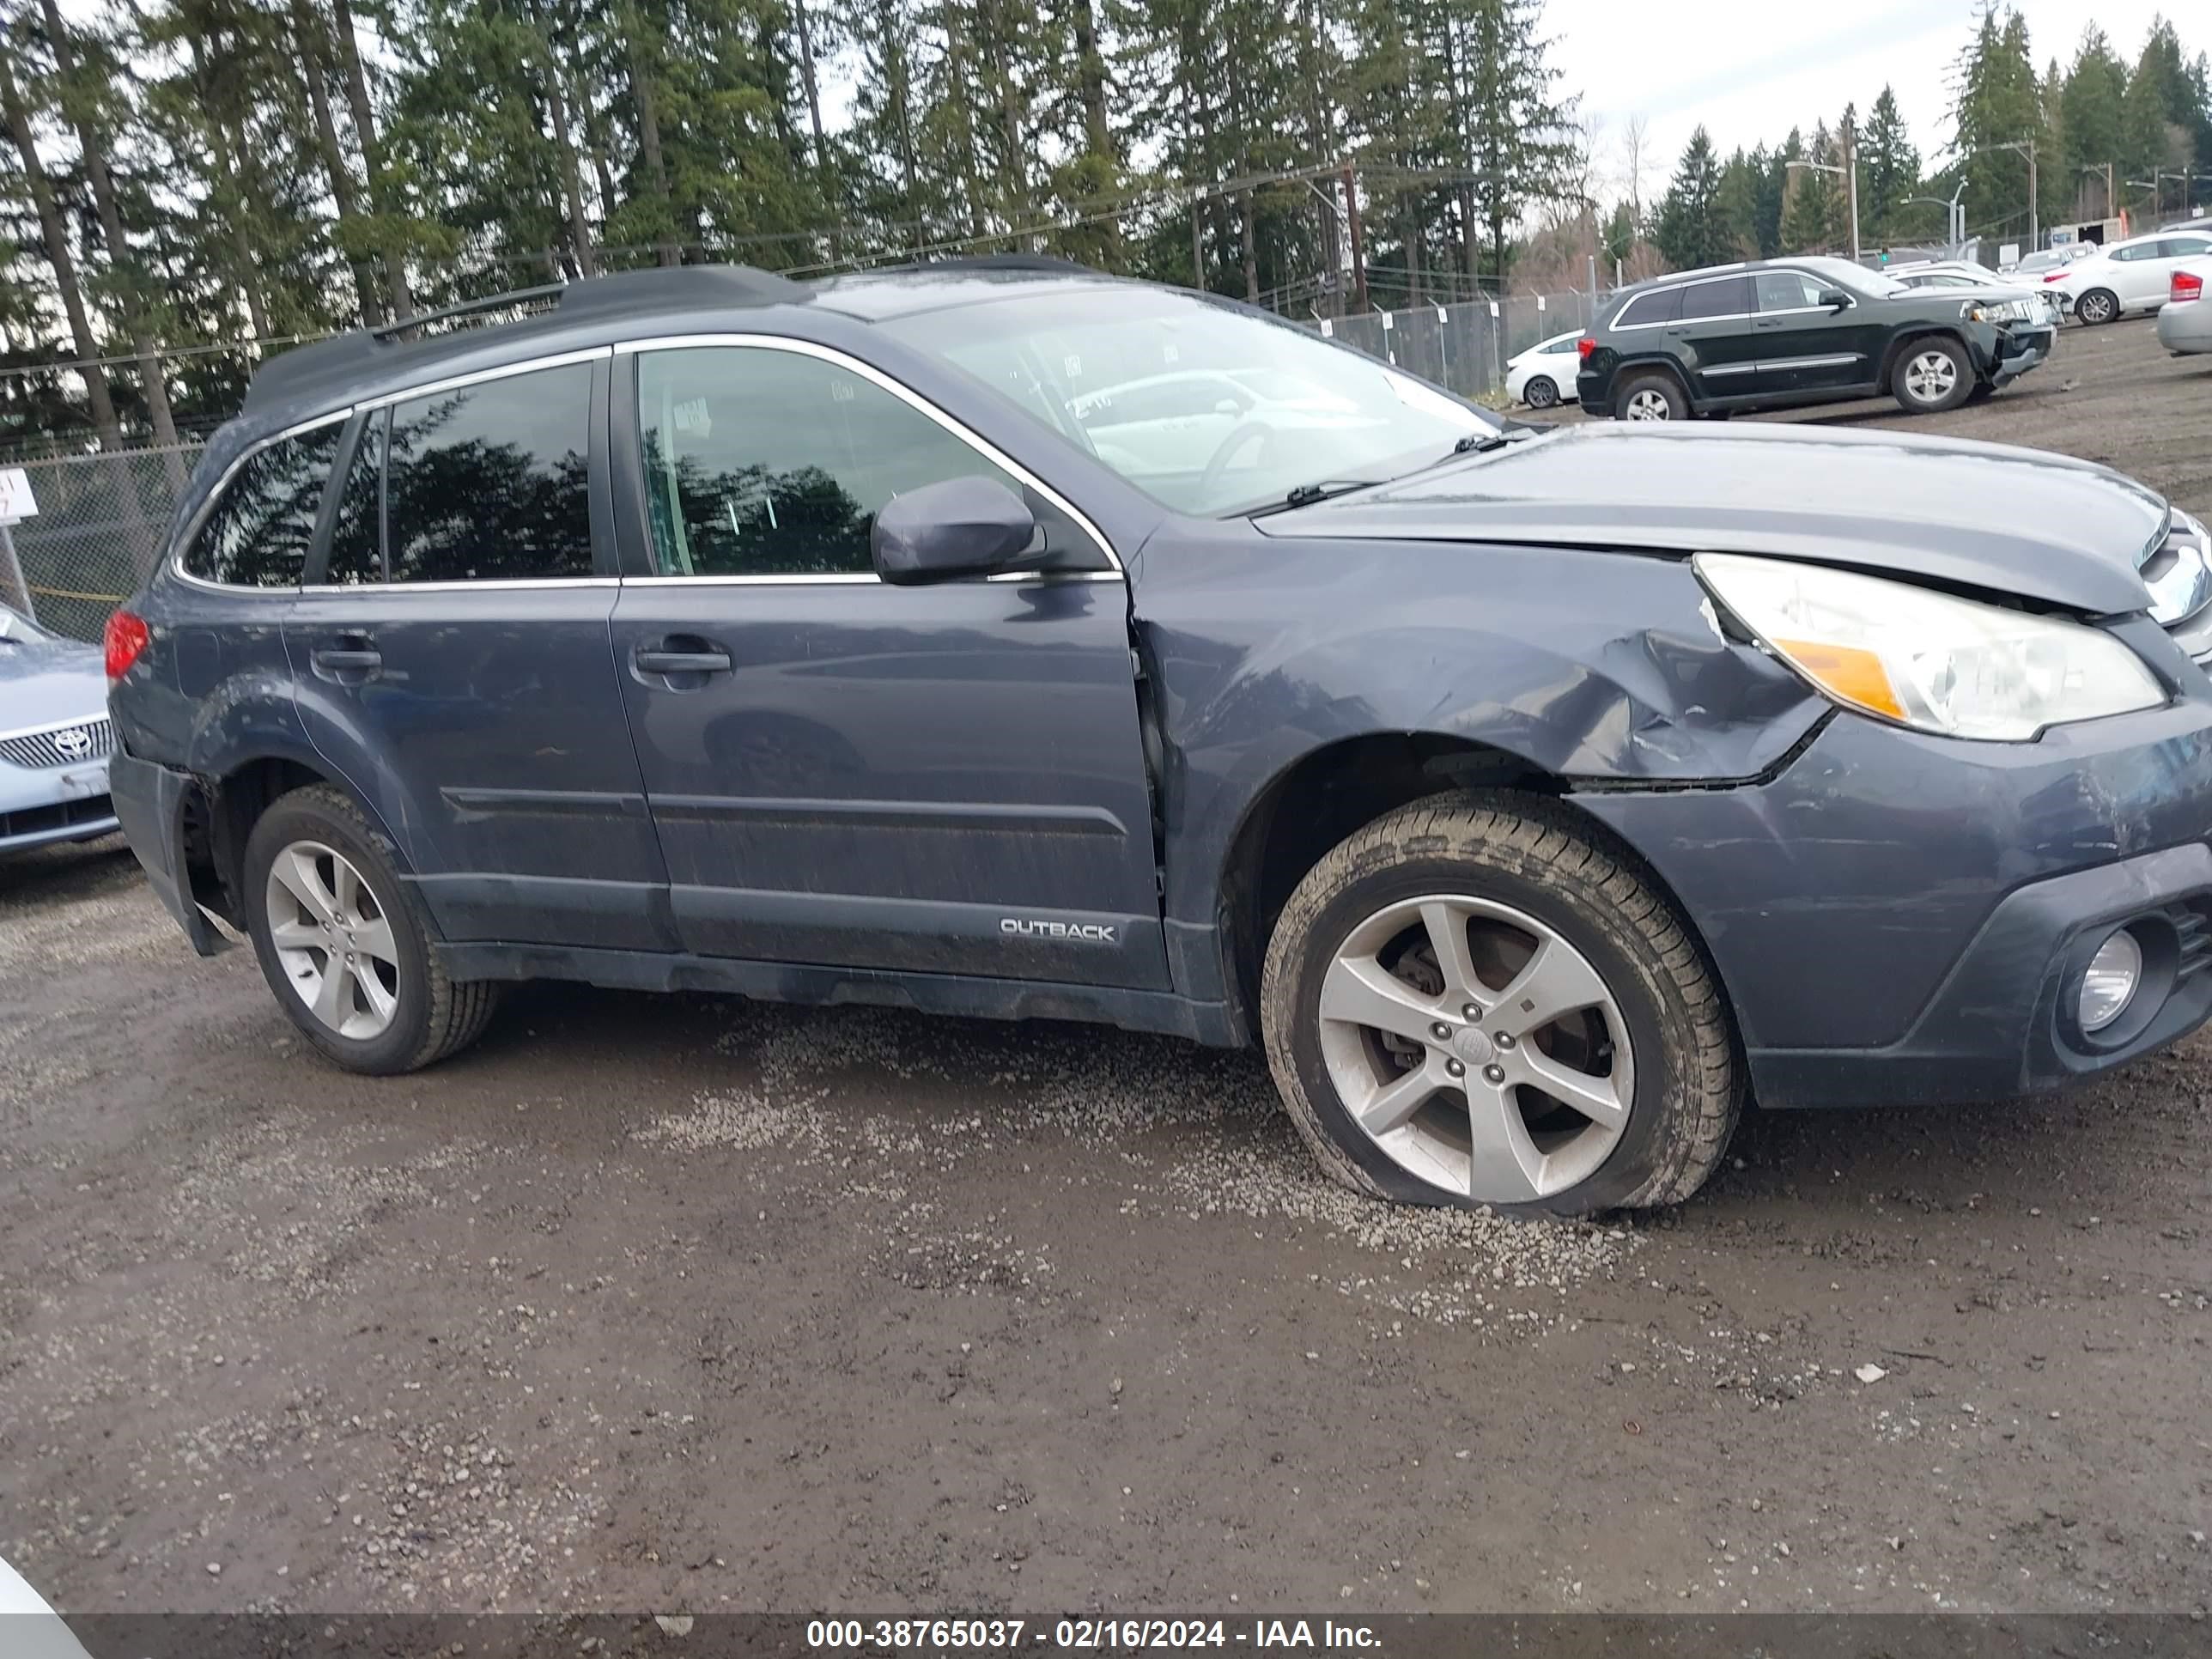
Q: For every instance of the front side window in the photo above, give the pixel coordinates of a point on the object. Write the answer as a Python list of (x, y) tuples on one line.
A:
[(1206, 408), (491, 481), (1730, 296), (257, 533), (761, 462), (1787, 290)]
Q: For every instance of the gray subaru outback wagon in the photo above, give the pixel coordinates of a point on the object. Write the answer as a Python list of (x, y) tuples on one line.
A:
[(999, 638)]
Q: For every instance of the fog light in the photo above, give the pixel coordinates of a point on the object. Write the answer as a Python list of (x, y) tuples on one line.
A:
[(2110, 980)]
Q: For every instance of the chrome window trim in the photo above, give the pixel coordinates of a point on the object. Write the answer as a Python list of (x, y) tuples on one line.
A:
[(905, 394), (505, 371), (857, 578), (1726, 274), (175, 561), (512, 584)]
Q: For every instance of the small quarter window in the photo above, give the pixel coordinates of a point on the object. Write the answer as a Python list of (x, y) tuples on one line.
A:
[(1661, 307), (257, 534), (491, 481)]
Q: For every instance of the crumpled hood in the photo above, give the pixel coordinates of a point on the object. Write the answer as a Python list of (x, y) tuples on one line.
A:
[(1989, 516), (43, 681)]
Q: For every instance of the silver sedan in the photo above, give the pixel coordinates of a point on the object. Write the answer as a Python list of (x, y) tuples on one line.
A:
[(54, 737), (2184, 321)]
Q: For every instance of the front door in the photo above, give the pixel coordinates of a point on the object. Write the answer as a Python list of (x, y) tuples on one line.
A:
[(1805, 346), (1713, 338), (452, 663), (941, 778)]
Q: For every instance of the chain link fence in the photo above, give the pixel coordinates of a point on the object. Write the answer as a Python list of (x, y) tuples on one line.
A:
[(98, 529), (1458, 346)]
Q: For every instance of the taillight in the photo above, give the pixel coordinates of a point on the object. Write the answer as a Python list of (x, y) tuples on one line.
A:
[(126, 638), (2054, 276), (1585, 346), (2187, 285)]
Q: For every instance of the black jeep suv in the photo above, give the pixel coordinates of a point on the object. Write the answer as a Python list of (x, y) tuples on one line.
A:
[(1002, 639), (1769, 335)]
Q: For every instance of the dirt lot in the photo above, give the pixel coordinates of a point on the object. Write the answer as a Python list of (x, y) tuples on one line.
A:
[(691, 1305)]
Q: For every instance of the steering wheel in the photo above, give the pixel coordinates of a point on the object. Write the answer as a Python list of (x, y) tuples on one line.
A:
[(1240, 437)]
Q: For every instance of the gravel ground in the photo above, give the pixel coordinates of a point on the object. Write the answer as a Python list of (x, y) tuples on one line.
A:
[(684, 1305)]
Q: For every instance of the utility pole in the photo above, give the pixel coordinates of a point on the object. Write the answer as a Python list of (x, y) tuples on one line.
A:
[(1359, 246), (1852, 180), (1197, 243)]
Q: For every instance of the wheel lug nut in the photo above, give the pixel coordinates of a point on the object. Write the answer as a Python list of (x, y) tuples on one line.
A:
[(1503, 1039), (1494, 1073), (1440, 1031), (1453, 1068), (1470, 1012)]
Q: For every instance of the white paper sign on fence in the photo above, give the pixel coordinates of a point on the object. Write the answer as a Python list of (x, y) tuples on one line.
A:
[(17, 501)]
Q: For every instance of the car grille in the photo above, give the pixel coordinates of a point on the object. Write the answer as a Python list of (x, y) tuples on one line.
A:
[(2177, 570), (63, 745)]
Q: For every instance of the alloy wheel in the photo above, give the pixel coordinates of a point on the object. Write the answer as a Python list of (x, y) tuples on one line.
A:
[(2096, 307), (1930, 377), (1648, 406), (1476, 1047), (333, 939), (1541, 393)]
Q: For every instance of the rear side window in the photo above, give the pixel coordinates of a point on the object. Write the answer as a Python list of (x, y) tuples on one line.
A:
[(257, 534), (1645, 308), (1730, 296), (2183, 247), (491, 481)]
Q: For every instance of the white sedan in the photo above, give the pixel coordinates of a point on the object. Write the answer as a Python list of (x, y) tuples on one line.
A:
[(2184, 321), (2124, 277), (1544, 374)]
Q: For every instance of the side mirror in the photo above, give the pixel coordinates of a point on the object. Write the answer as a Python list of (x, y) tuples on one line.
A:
[(1835, 298), (959, 527)]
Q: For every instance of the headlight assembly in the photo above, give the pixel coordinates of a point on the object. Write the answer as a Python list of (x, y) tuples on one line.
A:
[(1925, 660)]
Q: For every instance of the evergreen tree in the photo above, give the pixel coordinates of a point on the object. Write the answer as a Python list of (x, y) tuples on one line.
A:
[(1889, 170), (1691, 229), (2089, 114), (1996, 105)]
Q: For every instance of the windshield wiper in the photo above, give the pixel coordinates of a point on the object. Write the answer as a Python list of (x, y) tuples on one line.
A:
[(1484, 443), (1306, 494)]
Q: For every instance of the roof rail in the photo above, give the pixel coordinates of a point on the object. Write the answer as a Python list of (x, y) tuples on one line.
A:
[(294, 373)]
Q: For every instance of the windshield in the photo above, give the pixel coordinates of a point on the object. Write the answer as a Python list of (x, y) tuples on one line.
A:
[(1206, 410)]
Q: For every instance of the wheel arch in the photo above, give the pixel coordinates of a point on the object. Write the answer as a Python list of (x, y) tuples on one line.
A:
[(222, 810), (1905, 340), (1331, 792), (1628, 369)]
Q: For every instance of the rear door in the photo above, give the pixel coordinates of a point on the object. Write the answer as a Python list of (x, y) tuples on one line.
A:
[(453, 663), (1713, 337), (944, 778)]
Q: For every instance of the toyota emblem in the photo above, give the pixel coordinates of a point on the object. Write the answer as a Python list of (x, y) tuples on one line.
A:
[(74, 743)]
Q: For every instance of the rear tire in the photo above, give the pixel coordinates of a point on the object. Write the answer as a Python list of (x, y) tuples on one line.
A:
[(1931, 375), (1540, 393), (1527, 1122), (2098, 305), (345, 944), (1651, 398)]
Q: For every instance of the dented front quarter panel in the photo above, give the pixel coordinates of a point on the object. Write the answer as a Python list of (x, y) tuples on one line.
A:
[(1601, 668)]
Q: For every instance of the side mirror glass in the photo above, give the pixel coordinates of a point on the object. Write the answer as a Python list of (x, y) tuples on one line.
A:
[(959, 527)]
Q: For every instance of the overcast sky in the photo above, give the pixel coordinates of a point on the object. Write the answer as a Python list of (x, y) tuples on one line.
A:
[(1750, 69)]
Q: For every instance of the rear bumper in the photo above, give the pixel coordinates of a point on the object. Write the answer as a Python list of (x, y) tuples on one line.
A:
[(2186, 328), (149, 802), (1901, 919)]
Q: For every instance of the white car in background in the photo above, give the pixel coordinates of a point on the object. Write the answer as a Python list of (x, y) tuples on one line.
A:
[(2184, 321), (29, 1629), (2124, 277), (1962, 273), (1544, 374)]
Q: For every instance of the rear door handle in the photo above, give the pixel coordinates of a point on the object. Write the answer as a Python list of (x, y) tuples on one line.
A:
[(348, 662), (681, 654)]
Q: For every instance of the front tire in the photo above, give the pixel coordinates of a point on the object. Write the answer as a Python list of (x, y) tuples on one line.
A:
[(1540, 393), (345, 944), (1473, 1001), (1931, 376)]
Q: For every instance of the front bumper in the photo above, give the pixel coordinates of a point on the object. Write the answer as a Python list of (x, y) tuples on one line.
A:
[(1904, 919), (2019, 350), (45, 805)]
